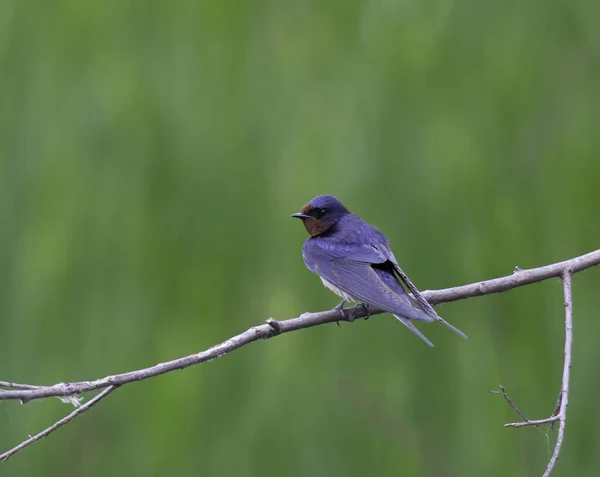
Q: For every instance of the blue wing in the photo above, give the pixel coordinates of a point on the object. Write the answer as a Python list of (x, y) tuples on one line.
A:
[(382, 252), (352, 270), (367, 272), (423, 303)]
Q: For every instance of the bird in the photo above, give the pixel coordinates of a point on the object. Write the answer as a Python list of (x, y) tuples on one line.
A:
[(354, 260)]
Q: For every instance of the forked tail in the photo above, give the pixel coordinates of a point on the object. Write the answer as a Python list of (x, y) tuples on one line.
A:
[(453, 328), (406, 322)]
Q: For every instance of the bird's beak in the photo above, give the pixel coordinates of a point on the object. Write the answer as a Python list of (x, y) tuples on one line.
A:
[(300, 215)]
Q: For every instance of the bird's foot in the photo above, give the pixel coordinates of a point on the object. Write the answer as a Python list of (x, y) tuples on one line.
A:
[(367, 308), (340, 307)]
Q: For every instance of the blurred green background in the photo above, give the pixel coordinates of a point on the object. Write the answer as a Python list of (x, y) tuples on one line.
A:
[(150, 156)]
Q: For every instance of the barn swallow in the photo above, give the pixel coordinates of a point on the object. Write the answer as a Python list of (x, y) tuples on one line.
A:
[(354, 260)]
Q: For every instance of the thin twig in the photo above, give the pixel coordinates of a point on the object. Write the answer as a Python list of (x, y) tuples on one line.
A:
[(57, 424), (517, 279), (526, 422), (7, 385), (560, 412), (532, 422), (510, 403), (72, 399), (564, 388), (307, 320)]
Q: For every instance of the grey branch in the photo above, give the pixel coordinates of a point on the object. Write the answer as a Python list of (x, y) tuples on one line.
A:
[(307, 320), (532, 422), (525, 422), (564, 387), (57, 424), (7, 385), (515, 408), (560, 412)]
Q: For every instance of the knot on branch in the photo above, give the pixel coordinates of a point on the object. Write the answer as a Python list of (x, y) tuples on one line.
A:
[(275, 327)]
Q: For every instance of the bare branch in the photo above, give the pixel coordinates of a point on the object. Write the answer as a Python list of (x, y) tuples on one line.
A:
[(564, 388), (510, 403), (526, 422), (25, 392), (560, 411), (7, 385), (57, 424), (307, 320), (534, 422), (517, 279)]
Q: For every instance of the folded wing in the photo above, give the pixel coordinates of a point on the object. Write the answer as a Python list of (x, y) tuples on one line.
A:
[(361, 280), (381, 253)]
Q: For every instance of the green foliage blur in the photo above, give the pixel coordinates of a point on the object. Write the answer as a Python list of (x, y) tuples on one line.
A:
[(150, 156)]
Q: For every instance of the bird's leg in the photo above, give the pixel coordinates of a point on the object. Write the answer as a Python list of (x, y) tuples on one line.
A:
[(340, 307), (367, 308)]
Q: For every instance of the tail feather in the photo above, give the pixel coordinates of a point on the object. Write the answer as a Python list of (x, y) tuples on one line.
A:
[(423, 303), (406, 322), (453, 328), (430, 313)]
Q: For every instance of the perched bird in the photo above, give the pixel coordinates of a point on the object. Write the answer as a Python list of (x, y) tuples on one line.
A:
[(354, 260)]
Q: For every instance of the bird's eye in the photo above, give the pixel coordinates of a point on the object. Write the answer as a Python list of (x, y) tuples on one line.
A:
[(322, 212)]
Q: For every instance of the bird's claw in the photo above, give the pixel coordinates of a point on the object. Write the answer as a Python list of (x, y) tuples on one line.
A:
[(367, 308), (340, 307)]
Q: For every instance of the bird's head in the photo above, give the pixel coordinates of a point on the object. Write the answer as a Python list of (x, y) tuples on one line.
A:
[(321, 213)]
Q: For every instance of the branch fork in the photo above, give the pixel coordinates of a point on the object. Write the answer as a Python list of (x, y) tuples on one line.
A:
[(560, 411)]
